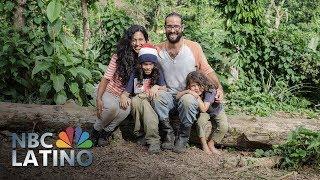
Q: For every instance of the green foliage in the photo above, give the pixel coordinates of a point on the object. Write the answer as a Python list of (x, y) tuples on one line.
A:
[(267, 58), (278, 68), (45, 62), (261, 153), (113, 24), (302, 11), (53, 10), (301, 148)]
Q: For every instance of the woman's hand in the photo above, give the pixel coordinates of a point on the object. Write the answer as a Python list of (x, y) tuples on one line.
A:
[(124, 101), (99, 103)]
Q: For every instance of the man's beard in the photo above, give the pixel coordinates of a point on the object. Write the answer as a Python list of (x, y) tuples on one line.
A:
[(173, 41)]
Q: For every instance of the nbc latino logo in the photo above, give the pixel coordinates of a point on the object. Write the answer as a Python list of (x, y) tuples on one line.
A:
[(75, 137), (72, 139)]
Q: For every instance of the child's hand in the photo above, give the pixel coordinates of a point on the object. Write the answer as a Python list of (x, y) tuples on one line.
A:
[(154, 92), (194, 94)]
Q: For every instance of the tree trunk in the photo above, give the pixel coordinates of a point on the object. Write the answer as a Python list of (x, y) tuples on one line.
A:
[(86, 28), (244, 132), (18, 18)]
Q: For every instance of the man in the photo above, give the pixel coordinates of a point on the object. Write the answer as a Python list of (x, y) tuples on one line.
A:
[(179, 57)]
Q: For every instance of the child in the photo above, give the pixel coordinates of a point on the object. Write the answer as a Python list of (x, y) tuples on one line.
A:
[(144, 83), (198, 85)]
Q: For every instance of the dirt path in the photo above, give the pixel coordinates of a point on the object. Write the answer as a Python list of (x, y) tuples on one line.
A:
[(127, 160)]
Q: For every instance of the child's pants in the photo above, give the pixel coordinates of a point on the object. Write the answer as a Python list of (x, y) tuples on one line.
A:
[(221, 125), (143, 112), (112, 115)]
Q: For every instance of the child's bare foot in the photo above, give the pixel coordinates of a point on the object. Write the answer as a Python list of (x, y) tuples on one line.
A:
[(206, 149), (204, 144), (213, 149)]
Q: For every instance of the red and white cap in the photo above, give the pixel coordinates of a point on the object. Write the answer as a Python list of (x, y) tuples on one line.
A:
[(148, 53)]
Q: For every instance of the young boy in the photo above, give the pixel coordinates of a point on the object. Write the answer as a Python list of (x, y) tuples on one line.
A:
[(198, 85)]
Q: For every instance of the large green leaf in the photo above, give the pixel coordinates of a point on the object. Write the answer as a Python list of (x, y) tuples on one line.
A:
[(45, 88), (53, 10), (73, 71), (102, 67), (54, 30), (60, 97), (74, 88), (58, 81), (89, 88), (40, 66), (85, 72)]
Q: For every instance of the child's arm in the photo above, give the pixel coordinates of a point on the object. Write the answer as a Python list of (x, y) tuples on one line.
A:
[(203, 106)]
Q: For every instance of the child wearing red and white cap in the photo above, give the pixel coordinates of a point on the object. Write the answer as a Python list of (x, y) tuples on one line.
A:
[(144, 84)]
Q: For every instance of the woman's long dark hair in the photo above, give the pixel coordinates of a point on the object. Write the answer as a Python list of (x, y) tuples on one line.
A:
[(155, 75), (127, 57)]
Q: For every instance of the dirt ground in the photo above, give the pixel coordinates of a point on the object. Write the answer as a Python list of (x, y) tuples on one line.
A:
[(128, 160)]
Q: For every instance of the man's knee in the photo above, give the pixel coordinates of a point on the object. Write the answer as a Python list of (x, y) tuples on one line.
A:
[(162, 98), (188, 100)]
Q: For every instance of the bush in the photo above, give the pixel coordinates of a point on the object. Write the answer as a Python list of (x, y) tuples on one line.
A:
[(301, 148)]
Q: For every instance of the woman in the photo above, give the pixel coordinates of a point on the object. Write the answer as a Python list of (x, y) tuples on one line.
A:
[(111, 108)]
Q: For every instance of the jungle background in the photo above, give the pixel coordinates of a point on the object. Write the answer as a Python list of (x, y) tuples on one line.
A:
[(266, 53)]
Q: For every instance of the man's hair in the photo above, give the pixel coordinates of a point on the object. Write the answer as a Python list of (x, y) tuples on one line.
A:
[(173, 14)]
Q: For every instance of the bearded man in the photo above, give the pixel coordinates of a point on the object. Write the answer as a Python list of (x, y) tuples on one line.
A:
[(178, 57)]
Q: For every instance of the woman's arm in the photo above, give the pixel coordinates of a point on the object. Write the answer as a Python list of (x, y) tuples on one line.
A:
[(101, 89)]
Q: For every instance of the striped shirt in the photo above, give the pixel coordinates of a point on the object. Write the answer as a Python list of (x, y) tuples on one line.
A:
[(114, 85)]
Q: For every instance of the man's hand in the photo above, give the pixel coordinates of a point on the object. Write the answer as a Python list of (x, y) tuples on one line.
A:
[(99, 107), (219, 95), (154, 92), (124, 101)]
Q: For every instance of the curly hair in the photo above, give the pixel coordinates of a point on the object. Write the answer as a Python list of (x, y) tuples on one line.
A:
[(155, 75), (199, 78), (127, 57)]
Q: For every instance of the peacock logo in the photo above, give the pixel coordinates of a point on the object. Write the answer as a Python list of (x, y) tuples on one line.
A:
[(74, 138)]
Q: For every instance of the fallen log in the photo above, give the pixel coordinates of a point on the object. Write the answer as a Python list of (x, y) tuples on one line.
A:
[(245, 132), (26, 117)]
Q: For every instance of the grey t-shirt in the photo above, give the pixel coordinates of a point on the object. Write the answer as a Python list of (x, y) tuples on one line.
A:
[(176, 70)]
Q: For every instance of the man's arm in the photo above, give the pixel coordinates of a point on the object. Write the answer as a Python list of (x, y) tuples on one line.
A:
[(215, 81), (206, 69)]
